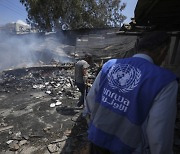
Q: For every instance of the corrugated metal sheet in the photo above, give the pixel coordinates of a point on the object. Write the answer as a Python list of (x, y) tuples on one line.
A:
[(103, 46)]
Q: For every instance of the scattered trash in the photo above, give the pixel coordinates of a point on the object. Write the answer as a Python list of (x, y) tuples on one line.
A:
[(35, 86), (52, 104), (10, 141), (17, 136), (58, 103), (48, 92)]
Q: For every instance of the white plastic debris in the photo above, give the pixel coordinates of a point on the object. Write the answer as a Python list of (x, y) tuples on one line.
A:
[(38, 86), (68, 85), (48, 92), (52, 105), (46, 83), (41, 86), (10, 141), (59, 92), (35, 86), (58, 84), (58, 103)]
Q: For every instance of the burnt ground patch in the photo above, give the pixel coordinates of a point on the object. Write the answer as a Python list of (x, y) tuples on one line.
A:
[(29, 124)]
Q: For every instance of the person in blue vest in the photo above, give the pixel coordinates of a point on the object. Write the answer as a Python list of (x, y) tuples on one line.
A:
[(132, 102)]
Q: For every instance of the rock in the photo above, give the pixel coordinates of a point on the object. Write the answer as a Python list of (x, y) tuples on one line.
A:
[(13, 146), (53, 148), (64, 138), (17, 136), (10, 132), (67, 132), (47, 129), (26, 137), (22, 142)]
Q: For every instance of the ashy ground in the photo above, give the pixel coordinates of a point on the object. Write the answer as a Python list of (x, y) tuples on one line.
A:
[(38, 113)]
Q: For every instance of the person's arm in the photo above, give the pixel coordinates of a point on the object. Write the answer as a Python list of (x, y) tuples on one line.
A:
[(85, 75), (161, 121)]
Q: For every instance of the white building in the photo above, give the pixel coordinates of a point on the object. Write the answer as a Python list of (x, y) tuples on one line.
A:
[(18, 27), (22, 27)]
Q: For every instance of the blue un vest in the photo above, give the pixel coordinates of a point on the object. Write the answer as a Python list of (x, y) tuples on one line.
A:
[(127, 91)]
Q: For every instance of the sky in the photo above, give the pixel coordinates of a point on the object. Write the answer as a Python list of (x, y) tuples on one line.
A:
[(13, 10), (129, 9)]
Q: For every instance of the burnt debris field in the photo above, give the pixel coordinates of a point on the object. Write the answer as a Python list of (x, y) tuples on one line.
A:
[(38, 112)]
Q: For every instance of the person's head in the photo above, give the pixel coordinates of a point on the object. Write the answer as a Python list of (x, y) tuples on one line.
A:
[(155, 44), (88, 58)]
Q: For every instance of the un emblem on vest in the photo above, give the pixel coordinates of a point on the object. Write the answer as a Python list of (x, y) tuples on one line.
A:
[(124, 77)]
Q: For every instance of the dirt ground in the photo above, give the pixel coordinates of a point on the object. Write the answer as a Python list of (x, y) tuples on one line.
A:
[(38, 113)]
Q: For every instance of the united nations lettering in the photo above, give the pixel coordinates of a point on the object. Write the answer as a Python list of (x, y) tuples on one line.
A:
[(114, 100), (124, 77)]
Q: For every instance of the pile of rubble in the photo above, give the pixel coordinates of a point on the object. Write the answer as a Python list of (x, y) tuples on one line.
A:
[(38, 112)]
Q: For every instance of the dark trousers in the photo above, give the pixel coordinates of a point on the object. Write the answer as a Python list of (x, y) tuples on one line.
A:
[(81, 87), (94, 149)]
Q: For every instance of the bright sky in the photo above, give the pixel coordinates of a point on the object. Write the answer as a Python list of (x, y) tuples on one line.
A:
[(129, 9), (13, 10)]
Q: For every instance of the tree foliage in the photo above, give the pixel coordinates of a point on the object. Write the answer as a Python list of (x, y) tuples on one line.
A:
[(74, 14)]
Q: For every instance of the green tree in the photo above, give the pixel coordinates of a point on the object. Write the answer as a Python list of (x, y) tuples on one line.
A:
[(74, 14)]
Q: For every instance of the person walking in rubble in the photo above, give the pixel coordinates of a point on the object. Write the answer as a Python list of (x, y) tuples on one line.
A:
[(132, 102), (81, 76)]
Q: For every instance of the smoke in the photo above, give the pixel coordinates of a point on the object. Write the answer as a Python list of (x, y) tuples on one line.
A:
[(30, 50)]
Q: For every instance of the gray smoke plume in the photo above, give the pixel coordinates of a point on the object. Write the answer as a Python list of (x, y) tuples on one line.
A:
[(31, 50)]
